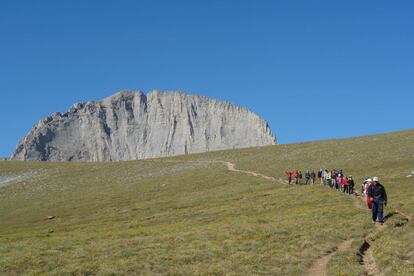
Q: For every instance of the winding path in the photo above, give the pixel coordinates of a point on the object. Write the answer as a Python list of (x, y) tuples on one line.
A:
[(232, 167), (319, 267), (365, 252)]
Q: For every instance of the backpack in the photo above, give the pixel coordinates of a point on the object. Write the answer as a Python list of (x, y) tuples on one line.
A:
[(369, 202)]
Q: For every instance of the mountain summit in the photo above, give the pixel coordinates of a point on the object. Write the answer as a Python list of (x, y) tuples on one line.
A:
[(131, 125)]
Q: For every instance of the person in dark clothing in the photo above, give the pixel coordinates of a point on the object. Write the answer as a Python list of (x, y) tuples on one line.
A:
[(351, 184), (300, 177), (379, 196), (307, 176), (320, 176)]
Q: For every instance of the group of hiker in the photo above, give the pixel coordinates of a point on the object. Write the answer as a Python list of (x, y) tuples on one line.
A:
[(310, 177), (337, 180), (373, 191)]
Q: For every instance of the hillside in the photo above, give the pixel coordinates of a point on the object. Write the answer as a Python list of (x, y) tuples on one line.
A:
[(192, 215)]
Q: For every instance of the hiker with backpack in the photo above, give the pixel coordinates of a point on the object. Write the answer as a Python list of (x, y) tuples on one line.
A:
[(377, 192), (300, 177), (368, 199), (367, 184)]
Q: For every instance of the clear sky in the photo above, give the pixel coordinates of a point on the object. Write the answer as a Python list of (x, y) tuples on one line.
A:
[(313, 69)]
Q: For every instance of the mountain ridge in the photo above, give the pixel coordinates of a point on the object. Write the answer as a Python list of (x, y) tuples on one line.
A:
[(131, 125)]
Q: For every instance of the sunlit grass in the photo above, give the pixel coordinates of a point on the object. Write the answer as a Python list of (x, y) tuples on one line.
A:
[(189, 217)]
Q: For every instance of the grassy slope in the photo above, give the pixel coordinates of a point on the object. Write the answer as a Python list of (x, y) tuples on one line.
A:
[(186, 217)]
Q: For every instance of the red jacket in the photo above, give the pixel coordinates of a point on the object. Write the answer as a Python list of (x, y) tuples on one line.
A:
[(345, 181)]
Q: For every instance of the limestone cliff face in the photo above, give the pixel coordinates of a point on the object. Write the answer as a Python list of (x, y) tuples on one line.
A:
[(132, 125)]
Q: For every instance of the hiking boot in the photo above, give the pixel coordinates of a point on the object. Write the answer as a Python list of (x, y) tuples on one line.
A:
[(374, 221), (381, 223)]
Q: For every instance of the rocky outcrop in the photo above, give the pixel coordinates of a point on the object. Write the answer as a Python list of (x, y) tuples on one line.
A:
[(132, 125)]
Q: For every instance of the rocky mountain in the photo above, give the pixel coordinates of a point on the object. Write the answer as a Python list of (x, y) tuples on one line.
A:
[(132, 125)]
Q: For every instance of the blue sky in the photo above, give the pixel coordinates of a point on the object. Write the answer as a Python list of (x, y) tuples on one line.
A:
[(313, 69)]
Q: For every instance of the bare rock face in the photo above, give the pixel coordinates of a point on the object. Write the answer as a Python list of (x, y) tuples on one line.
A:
[(132, 125)]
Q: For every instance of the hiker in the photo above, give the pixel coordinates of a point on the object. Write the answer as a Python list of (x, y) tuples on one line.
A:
[(313, 177), (351, 185), (320, 173), (296, 175), (339, 182), (307, 176), (289, 176), (363, 185), (300, 177), (325, 176), (379, 195), (367, 184), (328, 178), (368, 199), (333, 177), (345, 185)]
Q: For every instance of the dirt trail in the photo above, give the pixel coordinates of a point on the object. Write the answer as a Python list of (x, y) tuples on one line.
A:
[(232, 167), (319, 267), (8, 179), (365, 252)]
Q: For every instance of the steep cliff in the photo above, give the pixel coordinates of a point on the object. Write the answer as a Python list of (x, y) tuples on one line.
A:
[(132, 125)]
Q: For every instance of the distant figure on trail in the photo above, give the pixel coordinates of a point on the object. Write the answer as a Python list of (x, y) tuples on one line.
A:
[(307, 176), (328, 178), (300, 176), (351, 185), (363, 185), (379, 195), (333, 177), (368, 199), (296, 175), (320, 173), (345, 185), (367, 184), (339, 182), (289, 176), (313, 177)]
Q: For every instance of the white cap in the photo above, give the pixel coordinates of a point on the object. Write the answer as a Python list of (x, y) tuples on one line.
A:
[(369, 180), (376, 178)]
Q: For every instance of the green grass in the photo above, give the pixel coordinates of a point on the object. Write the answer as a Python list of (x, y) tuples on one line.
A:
[(186, 217)]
